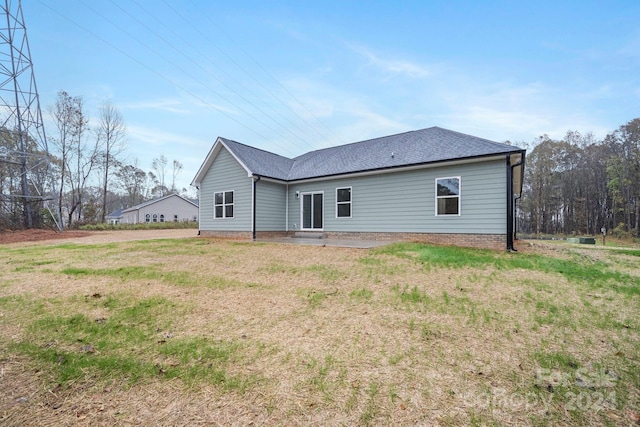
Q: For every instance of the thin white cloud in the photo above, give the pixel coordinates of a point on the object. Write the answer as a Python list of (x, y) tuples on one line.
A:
[(147, 143), (521, 112), (167, 105), (394, 66), (154, 137), (350, 115), (632, 47)]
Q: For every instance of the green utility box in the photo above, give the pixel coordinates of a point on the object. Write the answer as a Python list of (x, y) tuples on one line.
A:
[(582, 240)]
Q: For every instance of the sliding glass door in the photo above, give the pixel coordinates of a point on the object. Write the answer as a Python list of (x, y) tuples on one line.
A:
[(312, 211)]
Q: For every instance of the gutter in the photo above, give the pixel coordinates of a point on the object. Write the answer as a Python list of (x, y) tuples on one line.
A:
[(382, 169), (511, 201), (256, 178)]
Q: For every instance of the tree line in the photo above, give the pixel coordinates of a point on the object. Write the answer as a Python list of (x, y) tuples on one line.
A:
[(580, 184), (89, 170), (575, 185)]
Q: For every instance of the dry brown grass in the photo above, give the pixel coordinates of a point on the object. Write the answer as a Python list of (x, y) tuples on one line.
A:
[(324, 336)]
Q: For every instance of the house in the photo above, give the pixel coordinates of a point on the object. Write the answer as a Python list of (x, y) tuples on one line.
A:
[(114, 217), (170, 208), (432, 185)]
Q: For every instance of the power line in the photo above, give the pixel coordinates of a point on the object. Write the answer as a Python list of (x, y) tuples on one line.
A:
[(271, 93), (272, 78), (23, 141), (221, 69), (164, 40), (160, 75), (187, 73)]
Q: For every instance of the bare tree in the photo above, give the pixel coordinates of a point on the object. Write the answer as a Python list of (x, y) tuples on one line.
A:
[(132, 180), (177, 168), (86, 157), (111, 134), (159, 165), (76, 159)]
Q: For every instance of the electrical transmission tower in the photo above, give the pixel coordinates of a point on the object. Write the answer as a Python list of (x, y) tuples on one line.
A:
[(27, 193)]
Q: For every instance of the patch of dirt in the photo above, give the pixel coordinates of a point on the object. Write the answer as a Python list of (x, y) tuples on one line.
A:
[(37, 235), (90, 237)]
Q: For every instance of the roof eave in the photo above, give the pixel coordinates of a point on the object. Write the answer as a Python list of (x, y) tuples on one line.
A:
[(211, 156), (409, 166)]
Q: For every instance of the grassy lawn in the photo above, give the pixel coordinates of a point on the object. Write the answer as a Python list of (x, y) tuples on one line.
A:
[(200, 332)]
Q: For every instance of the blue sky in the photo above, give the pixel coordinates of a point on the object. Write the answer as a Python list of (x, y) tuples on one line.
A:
[(291, 76)]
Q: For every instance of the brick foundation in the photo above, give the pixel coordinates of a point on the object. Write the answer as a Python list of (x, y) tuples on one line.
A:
[(482, 241), (231, 235), (272, 234)]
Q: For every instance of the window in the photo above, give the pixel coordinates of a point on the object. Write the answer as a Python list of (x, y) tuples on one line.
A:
[(448, 196), (161, 218), (175, 218), (343, 202), (223, 204), (155, 217), (147, 218)]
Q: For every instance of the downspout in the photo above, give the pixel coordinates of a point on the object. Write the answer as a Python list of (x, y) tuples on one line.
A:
[(515, 222), (511, 202), (256, 178), (199, 216), (286, 211)]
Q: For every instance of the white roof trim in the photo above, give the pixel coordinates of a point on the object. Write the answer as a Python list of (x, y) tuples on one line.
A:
[(431, 165), (208, 161), (151, 202)]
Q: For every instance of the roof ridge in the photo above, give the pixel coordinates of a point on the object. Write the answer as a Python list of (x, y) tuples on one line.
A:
[(152, 201), (365, 140), (255, 148), (469, 135), (414, 147)]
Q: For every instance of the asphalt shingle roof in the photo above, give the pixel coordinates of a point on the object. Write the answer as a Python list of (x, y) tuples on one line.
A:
[(260, 162), (429, 145), (150, 202)]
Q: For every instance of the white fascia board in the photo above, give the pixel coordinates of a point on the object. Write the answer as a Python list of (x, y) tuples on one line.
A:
[(400, 169), (277, 181), (208, 161)]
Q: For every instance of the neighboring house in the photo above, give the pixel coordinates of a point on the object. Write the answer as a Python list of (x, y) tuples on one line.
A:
[(114, 217), (170, 208), (431, 185)]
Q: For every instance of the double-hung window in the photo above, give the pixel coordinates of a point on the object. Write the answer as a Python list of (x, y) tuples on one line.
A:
[(448, 196), (343, 202), (223, 204)]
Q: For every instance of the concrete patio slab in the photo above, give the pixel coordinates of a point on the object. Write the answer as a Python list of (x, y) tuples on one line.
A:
[(342, 243)]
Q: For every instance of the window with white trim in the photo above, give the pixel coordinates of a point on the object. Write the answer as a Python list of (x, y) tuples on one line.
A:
[(223, 204), (343, 202), (155, 217), (448, 196), (147, 218)]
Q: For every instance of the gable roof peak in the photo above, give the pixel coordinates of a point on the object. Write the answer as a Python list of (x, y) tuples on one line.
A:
[(417, 147)]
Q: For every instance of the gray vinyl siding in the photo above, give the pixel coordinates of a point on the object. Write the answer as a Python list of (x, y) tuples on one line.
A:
[(226, 174), (405, 201), (169, 207), (270, 204)]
